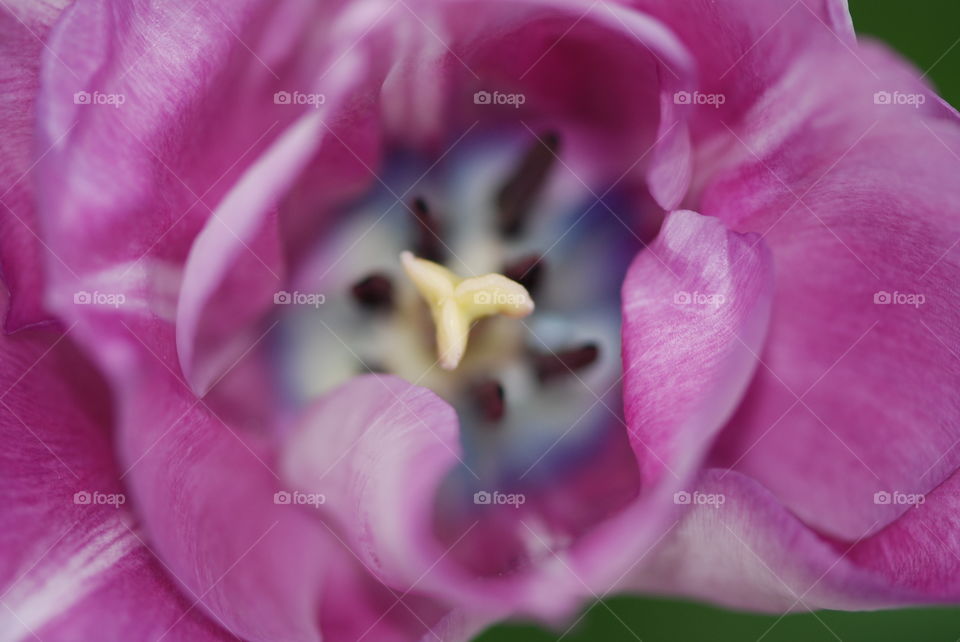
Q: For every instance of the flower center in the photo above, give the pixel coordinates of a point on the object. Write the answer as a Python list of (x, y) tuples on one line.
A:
[(456, 312), (499, 219)]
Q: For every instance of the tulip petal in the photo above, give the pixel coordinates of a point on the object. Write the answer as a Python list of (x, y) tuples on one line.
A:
[(75, 563), (695, 314), (258, 564), (696, 310), (744, 550), (749, 551), (87, 568), (234, 267), (743, 48), (854, 394), (124, 226), (377, 448), (546, 51), (213, 506), (23, 28)]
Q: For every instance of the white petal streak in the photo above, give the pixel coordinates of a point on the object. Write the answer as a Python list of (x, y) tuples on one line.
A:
[(64, 578)]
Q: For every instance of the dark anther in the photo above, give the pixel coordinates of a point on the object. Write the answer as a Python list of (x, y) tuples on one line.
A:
[(371, 367), (558, 364), (374, 291), (488, 396), (527, 271), (427, 240), (518, 193)]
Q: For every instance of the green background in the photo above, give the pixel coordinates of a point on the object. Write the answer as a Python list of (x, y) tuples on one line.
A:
[(927, 32)]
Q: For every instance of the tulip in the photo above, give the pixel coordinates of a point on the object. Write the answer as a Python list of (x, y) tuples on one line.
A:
[(386, 321)]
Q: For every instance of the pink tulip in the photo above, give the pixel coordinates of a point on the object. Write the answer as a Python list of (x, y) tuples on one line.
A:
[(220, 397)]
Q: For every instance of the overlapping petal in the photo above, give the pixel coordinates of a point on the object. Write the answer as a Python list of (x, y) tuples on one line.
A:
[(75, 563), (696, 307), (859, 369), (745, 550), (749, 551), (850, 417), (377, 449)]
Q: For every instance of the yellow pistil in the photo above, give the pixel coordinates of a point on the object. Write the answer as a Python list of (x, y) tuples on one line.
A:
[(456, 303)]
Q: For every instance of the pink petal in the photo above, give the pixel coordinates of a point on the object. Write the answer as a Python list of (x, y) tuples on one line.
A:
[(82, 571), (206, 498), (744, 47), (234, 266), (377, 449), (548, 50), (734, 50), (752, 552), (186, 130), (72, 570), (23, 28), (686, 365), (920, 552), (133, 600), (696, 310), (853, 396), (747, 551), (265, 569)]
